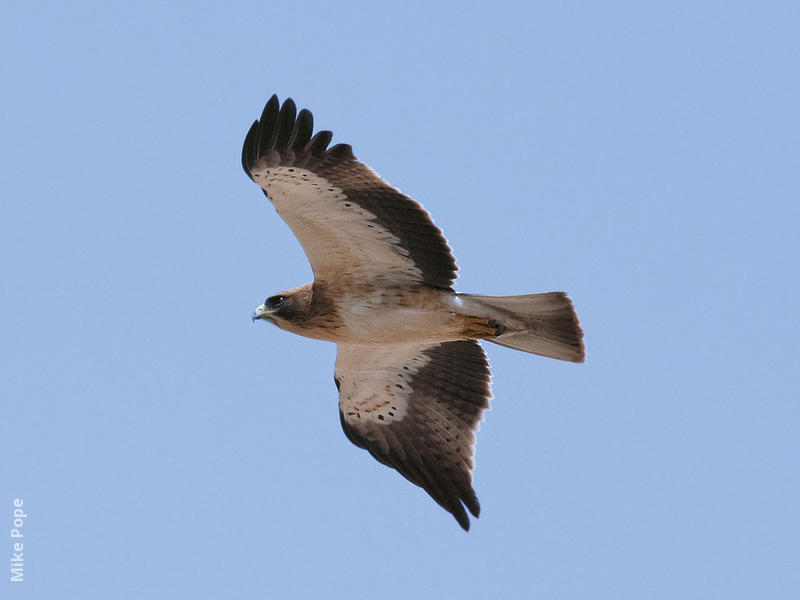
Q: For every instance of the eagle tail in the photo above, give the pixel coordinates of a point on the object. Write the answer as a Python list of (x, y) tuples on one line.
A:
[(544, 324)]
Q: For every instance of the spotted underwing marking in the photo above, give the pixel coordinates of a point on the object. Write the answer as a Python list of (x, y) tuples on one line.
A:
[(378, 382)]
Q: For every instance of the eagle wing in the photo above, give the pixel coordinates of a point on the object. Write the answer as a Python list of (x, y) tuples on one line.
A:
[(353, 226), (416, 408)]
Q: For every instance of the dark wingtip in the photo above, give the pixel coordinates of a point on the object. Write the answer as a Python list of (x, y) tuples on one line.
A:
[(270, 108), (248, 147), (319, 143), (283, 136), (283, 131), (470, 500), (288, 105), (462, 519), (303, 128), (266, 125), (472, 504), (341, 151)]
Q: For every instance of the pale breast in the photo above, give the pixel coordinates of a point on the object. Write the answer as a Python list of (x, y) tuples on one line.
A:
[(398, 315)]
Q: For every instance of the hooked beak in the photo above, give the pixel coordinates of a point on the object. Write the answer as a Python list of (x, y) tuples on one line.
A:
[(261, 313)]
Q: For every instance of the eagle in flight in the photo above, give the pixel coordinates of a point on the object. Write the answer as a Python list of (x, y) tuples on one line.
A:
[(412, 377)]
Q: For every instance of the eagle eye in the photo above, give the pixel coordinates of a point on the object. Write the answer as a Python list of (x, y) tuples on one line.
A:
[(274, 302)]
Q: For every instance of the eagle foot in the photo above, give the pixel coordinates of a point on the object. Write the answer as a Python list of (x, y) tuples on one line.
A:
[(477, 328)]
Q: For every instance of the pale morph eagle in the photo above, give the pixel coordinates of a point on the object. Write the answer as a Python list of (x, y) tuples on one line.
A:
[(413, 380)]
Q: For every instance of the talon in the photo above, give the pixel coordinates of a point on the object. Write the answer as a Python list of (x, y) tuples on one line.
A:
[(499, 328)]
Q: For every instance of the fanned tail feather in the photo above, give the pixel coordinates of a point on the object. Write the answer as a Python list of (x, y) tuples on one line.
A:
[(544, 324)]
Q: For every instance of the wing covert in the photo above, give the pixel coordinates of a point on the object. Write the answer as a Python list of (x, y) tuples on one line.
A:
[(353, 225), (416, 408)]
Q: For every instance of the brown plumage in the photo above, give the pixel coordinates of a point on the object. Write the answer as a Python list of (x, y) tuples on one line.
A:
[(413, 381)]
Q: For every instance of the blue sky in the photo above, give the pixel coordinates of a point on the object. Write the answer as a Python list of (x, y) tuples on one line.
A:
[(642, 156)]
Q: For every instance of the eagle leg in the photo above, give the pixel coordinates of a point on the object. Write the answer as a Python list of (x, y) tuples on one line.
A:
[(480, 328)]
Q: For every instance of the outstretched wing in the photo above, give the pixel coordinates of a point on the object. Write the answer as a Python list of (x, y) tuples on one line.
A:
[(353, 225), (416, 408)]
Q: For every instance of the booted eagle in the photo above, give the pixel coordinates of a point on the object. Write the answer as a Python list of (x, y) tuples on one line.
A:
[(413, 380)]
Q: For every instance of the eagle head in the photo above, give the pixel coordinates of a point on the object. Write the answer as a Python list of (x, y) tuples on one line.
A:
[(286, 308)]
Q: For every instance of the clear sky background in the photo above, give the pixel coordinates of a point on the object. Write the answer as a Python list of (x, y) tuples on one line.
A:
[(642, 156)]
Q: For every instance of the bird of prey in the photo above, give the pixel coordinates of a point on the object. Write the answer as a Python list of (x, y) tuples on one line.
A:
[(413, 380)]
